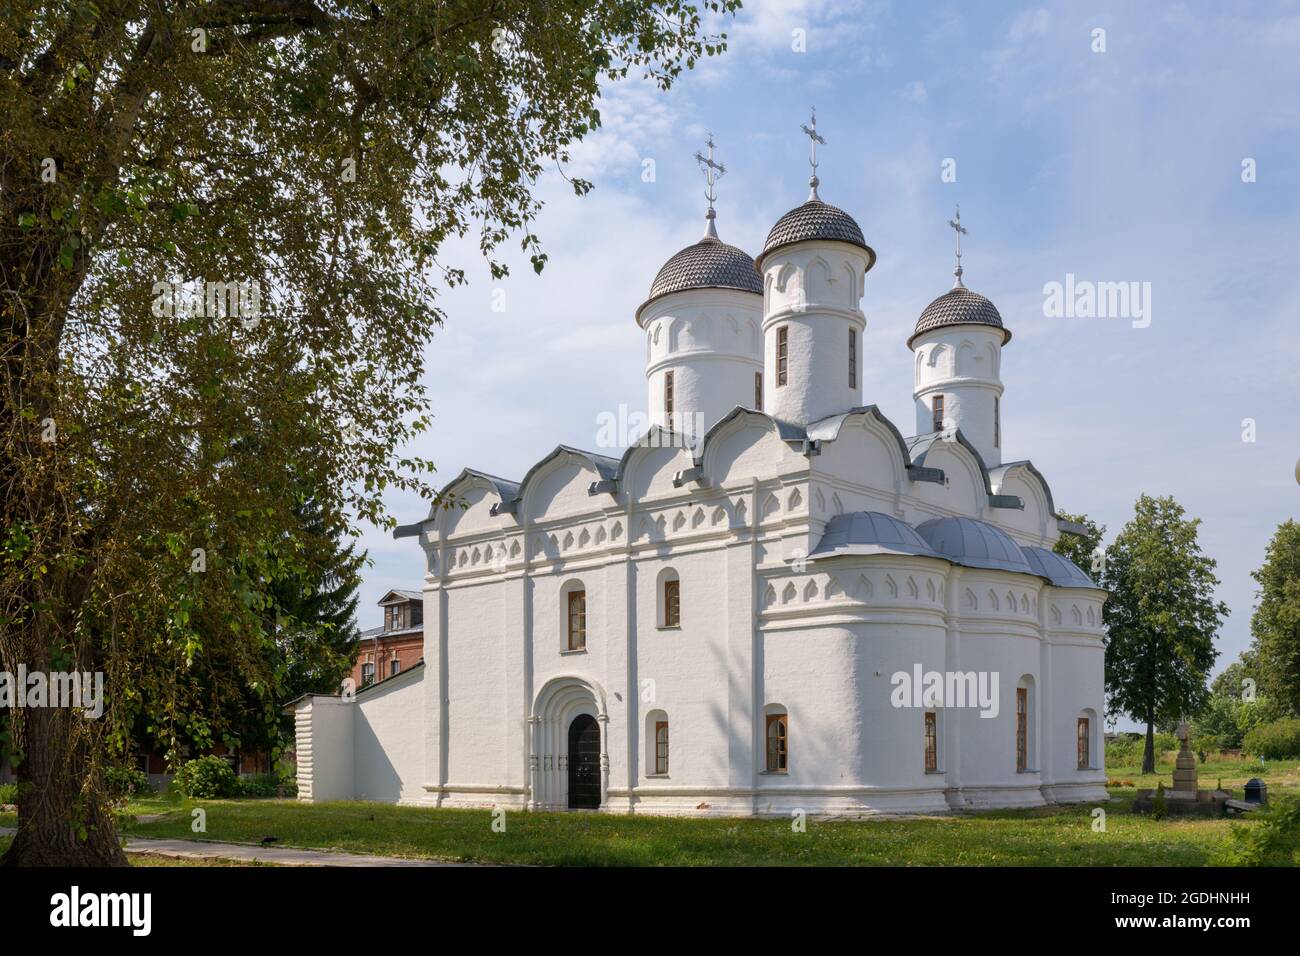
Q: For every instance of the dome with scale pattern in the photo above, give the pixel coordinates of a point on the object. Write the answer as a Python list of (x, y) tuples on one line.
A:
[(959, 306), (816, 221), (708, 264)]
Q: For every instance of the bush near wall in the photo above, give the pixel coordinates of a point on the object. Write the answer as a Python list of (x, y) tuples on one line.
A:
[(1279, 740), (209, 777), (125, 782), (267, 785)]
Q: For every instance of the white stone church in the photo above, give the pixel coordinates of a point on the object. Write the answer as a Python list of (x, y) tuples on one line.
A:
[(775, 601)]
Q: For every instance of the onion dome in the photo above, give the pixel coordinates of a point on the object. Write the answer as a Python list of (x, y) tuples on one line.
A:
[(708, 264), (816, 221), (959, 306), (974, 544)]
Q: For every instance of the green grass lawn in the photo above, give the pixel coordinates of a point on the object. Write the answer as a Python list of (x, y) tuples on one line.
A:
[(149, 859), (1048, 836)]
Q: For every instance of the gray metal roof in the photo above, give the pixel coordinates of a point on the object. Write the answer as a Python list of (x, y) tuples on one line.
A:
[(708, 264), (1058, 569), (870, 532), (959, 306), (974, 544), (816, 220)]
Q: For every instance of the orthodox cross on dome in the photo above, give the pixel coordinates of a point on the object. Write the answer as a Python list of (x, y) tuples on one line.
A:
[(813, 139), (960, 230), (712, 173)]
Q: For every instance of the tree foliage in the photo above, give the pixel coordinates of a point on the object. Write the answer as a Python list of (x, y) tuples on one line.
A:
[(1275, 625), (314, 157), (1083, 550), (1161, 618)]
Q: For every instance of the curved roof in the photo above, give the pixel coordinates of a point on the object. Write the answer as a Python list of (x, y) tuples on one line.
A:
[(974, 544), (708, 264), (816, 220), (1058, 569), (870, 532), (918, 446), (505, 489), (959, 306)]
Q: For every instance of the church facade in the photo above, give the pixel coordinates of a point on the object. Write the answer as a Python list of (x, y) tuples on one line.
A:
[(776, 601)]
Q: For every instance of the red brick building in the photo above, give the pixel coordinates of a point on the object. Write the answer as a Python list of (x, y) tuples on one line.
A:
[(395, 646)]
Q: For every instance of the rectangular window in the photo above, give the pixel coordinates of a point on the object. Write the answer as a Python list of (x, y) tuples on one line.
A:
[(931, 742), (668, 397), (937, 414), (758, 391), (367, 673), (778, 743), (782, 354), (395, 667), (853, 358), (577, 620), (661, 746), (997, 422), (672, 603), (1083, 744), (1022, 729)]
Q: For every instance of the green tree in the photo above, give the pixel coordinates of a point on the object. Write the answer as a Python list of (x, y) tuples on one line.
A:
[(1275, 625), (1161, 618), (220, 226), (316, 609), (1083, 549)]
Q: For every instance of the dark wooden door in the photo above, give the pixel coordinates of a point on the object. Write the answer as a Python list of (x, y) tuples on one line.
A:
[(584, 762)]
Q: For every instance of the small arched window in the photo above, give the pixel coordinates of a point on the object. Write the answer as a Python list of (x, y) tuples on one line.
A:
[(931, 741), (668, 397), (1083, 741), (1024, 724), (669, 598), (782, 355), (573, 603), (853, 358), (656, 727), (778, 739)]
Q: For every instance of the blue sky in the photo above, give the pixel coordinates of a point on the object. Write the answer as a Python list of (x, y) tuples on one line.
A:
[(1117, 166)]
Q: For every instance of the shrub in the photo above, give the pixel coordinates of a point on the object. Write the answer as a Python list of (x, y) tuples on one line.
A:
[(261, 785), (8, 793), (1276, 741), (207, 777), (124, 782), (1273, 841), (1159, 806)]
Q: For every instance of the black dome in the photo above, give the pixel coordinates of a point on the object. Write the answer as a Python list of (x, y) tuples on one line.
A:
[(959, 306), (816, 220), (708, 264)]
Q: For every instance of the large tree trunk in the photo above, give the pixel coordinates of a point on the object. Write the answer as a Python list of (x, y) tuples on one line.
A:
[(63, 817), (1149, 752)]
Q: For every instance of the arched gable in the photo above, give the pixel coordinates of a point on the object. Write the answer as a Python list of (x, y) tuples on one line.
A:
[(749, 444), (647, 469), (466, 504), (965, 486), (560, 484), (862, 446), (1036, 520)]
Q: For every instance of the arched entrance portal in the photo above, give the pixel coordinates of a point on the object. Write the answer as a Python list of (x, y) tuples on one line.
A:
[(584, 763), (568, 745)]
